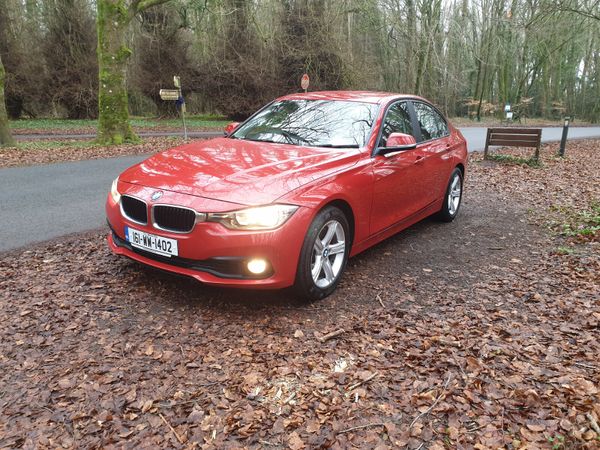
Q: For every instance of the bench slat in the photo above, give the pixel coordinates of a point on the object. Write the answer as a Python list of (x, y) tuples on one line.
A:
[(498, 133), (506, 137), (516, 130), (512, 143), (518, 136)]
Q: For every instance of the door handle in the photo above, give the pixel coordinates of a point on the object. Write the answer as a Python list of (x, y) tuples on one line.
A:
[(419, 159)]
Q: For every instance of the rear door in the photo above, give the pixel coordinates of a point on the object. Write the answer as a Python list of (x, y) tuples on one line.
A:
[(434, 144), (399, 176)]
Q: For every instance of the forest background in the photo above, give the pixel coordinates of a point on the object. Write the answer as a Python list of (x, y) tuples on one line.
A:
[(470, 57)]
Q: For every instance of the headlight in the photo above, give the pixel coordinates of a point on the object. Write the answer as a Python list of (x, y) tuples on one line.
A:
[(259, 218), (113, 191)]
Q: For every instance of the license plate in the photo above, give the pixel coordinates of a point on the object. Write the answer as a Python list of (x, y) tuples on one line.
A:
[(151, 242)]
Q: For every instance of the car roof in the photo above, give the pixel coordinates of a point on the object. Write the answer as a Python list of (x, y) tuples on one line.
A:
[(356, 96)]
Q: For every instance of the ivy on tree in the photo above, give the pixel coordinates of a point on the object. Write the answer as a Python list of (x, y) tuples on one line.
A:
[(114, 17), (5, 136)]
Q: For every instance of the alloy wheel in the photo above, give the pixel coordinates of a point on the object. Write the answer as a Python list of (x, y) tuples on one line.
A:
[(328, 254), (454, 194)]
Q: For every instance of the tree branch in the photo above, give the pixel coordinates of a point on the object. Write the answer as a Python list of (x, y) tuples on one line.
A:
[(138, 6), (588, 14)]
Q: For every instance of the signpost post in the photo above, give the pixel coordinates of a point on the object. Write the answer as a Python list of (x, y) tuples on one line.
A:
[(563, 140), (175, 95), (304, 82)]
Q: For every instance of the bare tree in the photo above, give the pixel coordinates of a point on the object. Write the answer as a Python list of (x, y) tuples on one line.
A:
[(69, 49), (161, 48), (20, 36), (468, 56)]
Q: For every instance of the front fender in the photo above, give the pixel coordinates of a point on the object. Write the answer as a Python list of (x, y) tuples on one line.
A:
[(353, 187)]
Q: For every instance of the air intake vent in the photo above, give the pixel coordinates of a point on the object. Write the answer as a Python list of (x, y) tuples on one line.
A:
[(174, 218), (134, 209)]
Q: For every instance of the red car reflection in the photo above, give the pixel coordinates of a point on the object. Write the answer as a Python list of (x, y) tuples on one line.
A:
[(287, 196)]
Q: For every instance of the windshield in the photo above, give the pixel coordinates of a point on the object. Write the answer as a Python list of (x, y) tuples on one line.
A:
[(311, 123)]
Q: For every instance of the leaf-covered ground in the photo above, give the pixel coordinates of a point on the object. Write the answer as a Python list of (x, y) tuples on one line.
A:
[(47, 152), (480, 334)]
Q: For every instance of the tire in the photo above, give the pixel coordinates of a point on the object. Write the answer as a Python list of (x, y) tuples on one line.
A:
[(324, 255), (453, 197)]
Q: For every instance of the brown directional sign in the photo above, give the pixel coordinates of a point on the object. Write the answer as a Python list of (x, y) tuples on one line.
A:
[(174, 95), (169, 94)]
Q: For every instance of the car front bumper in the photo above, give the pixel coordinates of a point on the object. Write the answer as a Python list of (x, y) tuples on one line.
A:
[(216, 255)]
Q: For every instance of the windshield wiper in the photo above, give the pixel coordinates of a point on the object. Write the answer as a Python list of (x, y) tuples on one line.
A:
[(308, 144), (270, 141), (339, 145)]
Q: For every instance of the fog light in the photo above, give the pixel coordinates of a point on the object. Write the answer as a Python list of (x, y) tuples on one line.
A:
[(257, 266)]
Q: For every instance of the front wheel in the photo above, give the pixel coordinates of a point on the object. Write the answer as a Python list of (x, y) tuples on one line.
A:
[(324, 255), (453, 197)]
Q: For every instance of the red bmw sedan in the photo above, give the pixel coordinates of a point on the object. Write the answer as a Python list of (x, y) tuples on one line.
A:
[(285, 198)]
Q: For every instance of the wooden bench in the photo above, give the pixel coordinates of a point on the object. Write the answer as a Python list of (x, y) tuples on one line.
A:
[(513, 137)]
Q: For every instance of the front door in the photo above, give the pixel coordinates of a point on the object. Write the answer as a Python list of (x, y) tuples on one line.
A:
[(398, 177)]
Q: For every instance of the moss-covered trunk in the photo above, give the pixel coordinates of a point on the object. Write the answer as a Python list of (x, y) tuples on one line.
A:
[(5, 136), (113, 53)]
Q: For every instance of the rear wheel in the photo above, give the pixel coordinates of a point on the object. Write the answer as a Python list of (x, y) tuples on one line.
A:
[(324, 255), (453, 197)]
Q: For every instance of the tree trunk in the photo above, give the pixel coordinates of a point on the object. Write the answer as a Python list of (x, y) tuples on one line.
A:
[(5, 136), (113, 118), (411, 49)]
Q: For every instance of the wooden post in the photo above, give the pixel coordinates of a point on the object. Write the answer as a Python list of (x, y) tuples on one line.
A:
[(563, 140), (487, 140)]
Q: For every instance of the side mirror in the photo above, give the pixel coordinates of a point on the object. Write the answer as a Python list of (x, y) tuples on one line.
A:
[(230, 128), (397, 142)]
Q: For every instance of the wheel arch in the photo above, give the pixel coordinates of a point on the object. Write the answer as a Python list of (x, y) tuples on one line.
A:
[(346, 208)]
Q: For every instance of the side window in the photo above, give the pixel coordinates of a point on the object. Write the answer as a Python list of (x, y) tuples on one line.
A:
[(432, 124), (397, 120)]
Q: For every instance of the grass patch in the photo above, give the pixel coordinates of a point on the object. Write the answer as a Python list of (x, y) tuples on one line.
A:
[(198, 121), (510, 159), (55, 124), (562, 250), (192, 122), (557, 441), (51, 145), (583, 223)]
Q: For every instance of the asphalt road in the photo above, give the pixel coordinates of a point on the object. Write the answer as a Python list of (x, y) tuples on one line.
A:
[(39, 203), (475, 136)]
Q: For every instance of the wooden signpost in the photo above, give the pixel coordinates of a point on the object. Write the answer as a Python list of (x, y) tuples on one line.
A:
[(171, 95)]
